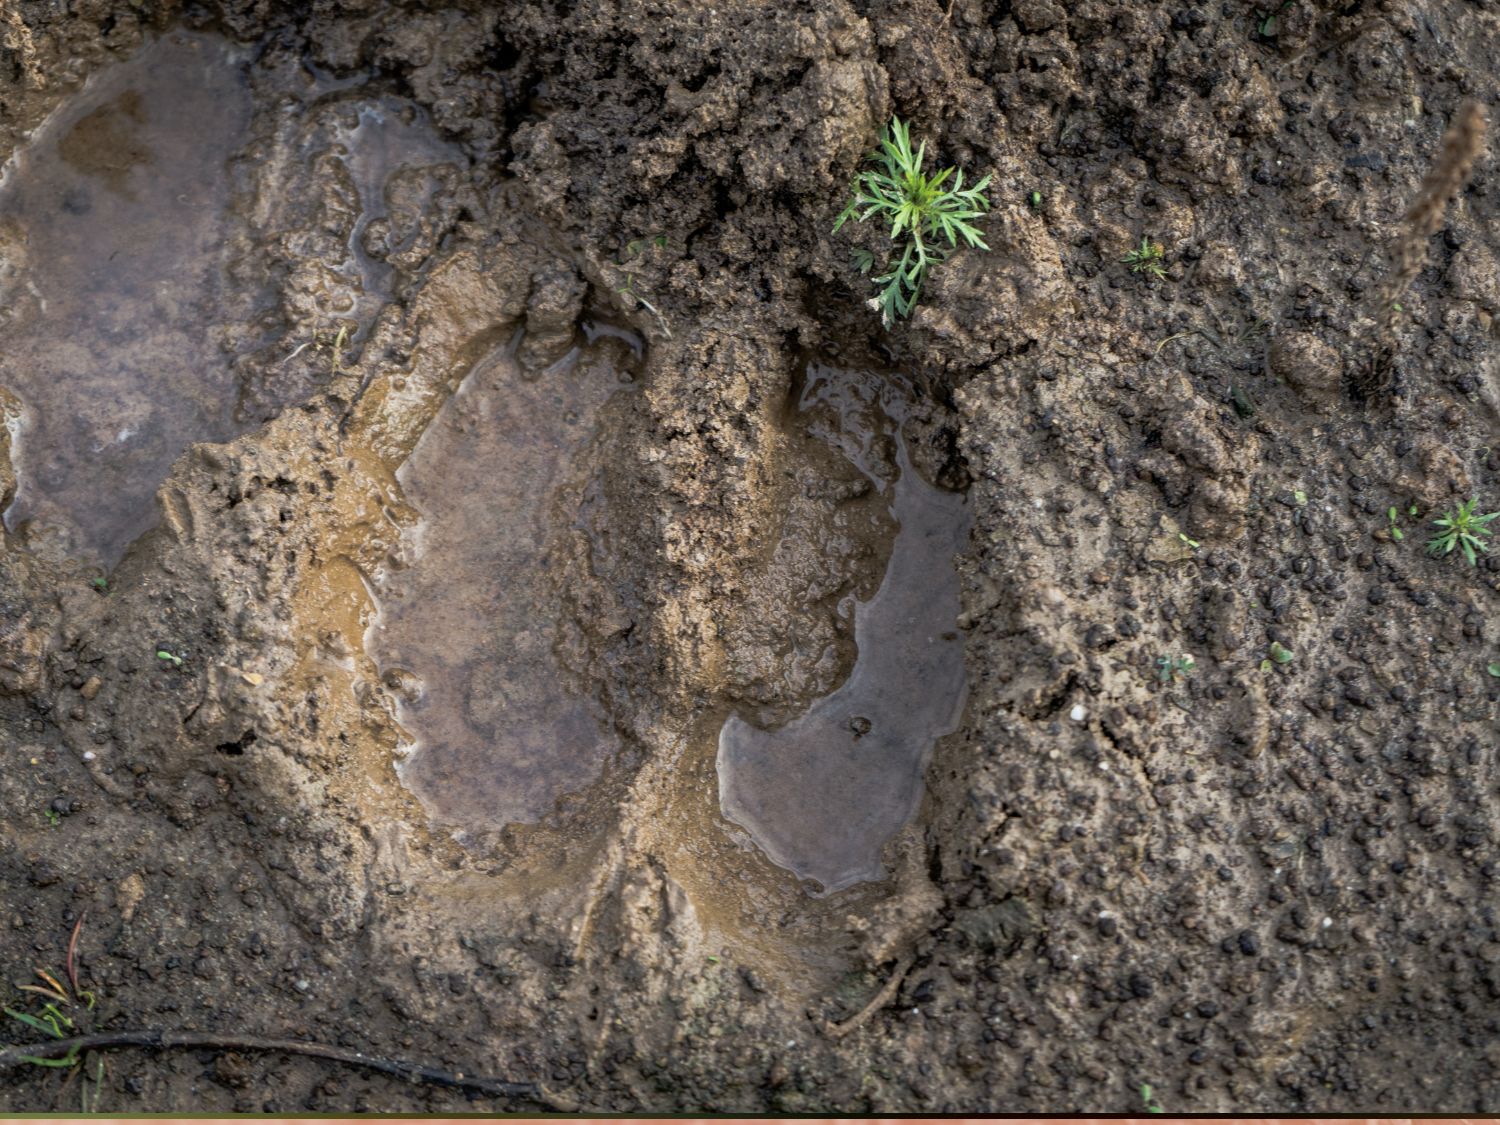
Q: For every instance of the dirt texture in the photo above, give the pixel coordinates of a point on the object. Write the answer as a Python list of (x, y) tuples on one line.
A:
[(1264, 886)]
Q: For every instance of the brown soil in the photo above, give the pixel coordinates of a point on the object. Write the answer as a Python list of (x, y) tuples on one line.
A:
[(1255, 889)]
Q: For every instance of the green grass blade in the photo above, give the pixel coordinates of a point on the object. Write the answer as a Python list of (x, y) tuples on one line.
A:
[(45, 1027)]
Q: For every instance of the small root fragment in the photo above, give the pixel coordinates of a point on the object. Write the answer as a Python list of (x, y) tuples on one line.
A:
[(882, 998), (160, 1040)]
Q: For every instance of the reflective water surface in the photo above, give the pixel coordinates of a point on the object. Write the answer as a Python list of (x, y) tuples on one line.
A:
[(468, 622), (823, 793)]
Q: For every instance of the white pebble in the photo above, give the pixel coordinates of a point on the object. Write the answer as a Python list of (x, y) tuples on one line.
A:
[(89, 755), (1078, 713)]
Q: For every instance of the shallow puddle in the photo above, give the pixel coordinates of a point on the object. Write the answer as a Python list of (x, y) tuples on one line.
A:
[(822, 794), (130, 325), (467, 623), (112, 223)]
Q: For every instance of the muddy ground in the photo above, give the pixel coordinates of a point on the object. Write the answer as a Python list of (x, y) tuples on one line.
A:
[(1256, 888)]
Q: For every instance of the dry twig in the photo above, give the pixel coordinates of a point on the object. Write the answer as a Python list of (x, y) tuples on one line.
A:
[(882, 998), (1461, 145), (12, 1057)]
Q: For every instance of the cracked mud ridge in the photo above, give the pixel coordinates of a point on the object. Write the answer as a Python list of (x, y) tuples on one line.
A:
[(479, 587)]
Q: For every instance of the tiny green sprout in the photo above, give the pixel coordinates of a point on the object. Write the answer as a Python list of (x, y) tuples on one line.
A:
[(1193, 543), (1300, 497), (163, 654), (1146, 258), (1266, 23), (1173, 668), (99, 583), (929, 218), (54, 818), (1411, 509), (89, 1103), (1151, 1104), (1034, 201), (67, 1062), (1493, 668), (1280, 653), (51, 1022), (1396, 533), (1464, 530)]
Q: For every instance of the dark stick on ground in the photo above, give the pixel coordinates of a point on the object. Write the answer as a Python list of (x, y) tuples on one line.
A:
[(13, 1057), (881, 999)]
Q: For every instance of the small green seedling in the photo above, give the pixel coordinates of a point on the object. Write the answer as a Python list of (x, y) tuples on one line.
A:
[(1300, 497), (928, 220), (54, 818), (1396, 533), (634, 249), (1280, 654), (1193, 543), (1034, 201), (1146, 258), (89, 1103), (163, 654), (1493, 668), (1148, 1100), (1464, 530), (1170, 669), (99, 583), (1266, 23), (51, 1022), (636, 246)]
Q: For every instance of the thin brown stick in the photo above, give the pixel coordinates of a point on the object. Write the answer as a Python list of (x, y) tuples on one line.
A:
[(163, 1040), (72, 965), (882, 998), (1447, 177)]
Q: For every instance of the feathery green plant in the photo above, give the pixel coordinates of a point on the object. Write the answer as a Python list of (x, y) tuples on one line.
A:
[(927, 220), (1146, 258), (1462, 529)]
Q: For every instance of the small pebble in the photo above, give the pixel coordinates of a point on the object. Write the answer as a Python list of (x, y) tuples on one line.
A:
[(1078, 713), (89, 755)]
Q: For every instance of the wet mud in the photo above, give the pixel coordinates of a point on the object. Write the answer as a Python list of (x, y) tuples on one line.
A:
[(445, 611), (467, 617)]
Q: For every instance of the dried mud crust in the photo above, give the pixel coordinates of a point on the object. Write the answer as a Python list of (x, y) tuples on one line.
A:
[(1253, 890)]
